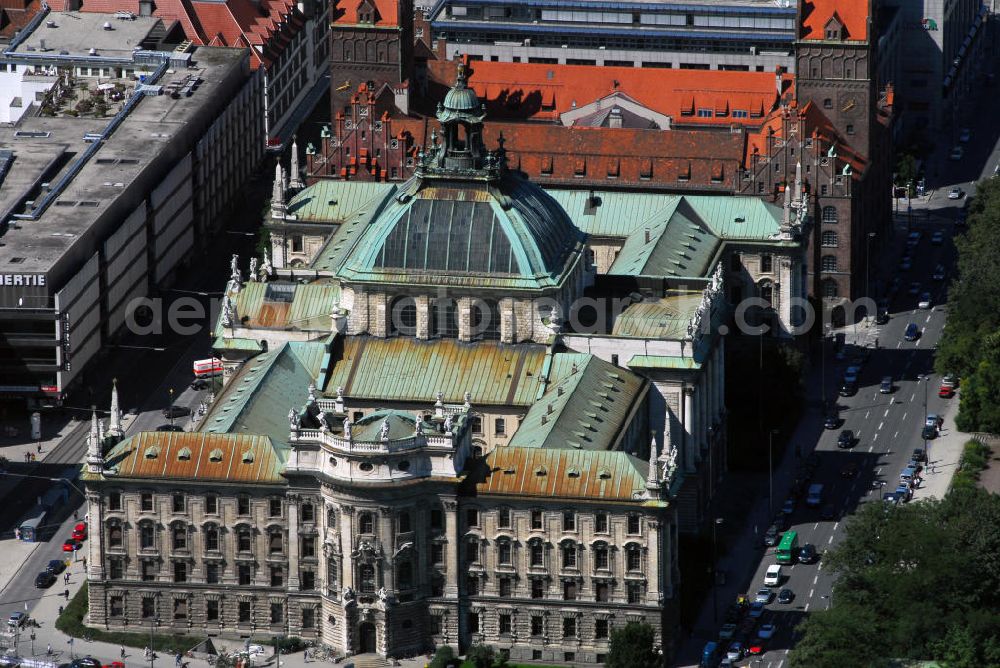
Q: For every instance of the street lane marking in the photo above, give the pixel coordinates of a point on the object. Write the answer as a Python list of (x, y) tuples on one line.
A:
[(867, 414), (899, 345), (871, 447), (806, 609), (815, 579), (880, 425), (835, 525), (904, 417), (816, 526), (886, 414), (896, 435), (928, 318), (830, 542), (811, 591)]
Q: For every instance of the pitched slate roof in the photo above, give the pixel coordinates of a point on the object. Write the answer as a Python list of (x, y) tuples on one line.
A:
[(405, 369), (585, 406), (542, 92), (564, 474), (853, 14), (196, 456)]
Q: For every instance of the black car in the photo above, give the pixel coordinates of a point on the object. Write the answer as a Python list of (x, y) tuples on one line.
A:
[(832, 421), (786, 596), (886, 386), (56, 566), (912, 332), (200, 384), (807, 553), (176, 411), (846, 439), (882, 317), (929, 433), (848, 389), (85, 662), (918, 455), (44, 580), (170, 427), (827, 513), (771, 535)]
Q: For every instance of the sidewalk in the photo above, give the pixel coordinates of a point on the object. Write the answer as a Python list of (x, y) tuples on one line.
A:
[(943, 456)]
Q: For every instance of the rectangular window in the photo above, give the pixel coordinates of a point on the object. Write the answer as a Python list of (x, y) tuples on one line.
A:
[(180, 571), (504, 625), (331, 574), (211, 504), (148, 607), (634, 592), (536, 519), (308, 514), (569, 520), (115, 536), (477, 424), (633, 559), (274, 507), (569, 556), (116, 570), (537, 625), (243, 573), (212, 573), (146, 537), (601, 628), (212, 610), (308, 546), (243, 505), (180, 538), (435, 626), (503, 518), (437, 554), (569, 627), (243, 540), (472, 585), (601, 558), (569, 590), (766, 264), (633, 519), (243, 611), (472, 517), (277, 613), (505, 587), (146, 503), (601, 523), (177, 503), (114, 500), (437, 519), (537, 588), (504, 553), (601, 592), (473, 622), (308, 618), (180, 608), (307, 580), (275, 543), (277, 576), (148, 571), (500, 426), (212, 539), (117, 606)]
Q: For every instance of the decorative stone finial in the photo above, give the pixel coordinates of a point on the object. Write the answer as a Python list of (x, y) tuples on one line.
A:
[(338, 403), (95, 456), (384, 431), (312, 393), (448, 423), (293, 420), (265, 268), (115, 427), (347, 428), (468, 401), (295, 183), (278, 208), (252, 274)]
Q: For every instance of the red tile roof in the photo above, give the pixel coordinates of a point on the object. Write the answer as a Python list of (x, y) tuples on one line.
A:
[(542, 92), (853, 14), (387, 12), (816, 125)]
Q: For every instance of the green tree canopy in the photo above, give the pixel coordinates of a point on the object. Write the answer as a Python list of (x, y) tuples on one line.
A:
[(632, 646)]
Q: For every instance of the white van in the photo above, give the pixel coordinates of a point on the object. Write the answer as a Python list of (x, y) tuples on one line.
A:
[(815, 496), (772, 578)]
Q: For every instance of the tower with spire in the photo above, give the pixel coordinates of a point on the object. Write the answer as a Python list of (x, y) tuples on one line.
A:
[(295, 181), (95, 457), (115, 426)]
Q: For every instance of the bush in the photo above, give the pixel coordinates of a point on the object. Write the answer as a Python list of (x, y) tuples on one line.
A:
[(71, 623), (444, 657), (975, 459)]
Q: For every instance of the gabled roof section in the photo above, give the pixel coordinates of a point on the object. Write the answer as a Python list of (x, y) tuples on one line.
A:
[(664, 319), (564, 474), (586, 406), (287, 306), (673, 242), (851, 14), (543, 92), (336, 201), (346, 13), (405, 369), (165, 455)]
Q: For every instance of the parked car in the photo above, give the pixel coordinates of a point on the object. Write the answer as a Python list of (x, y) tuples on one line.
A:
[(44, 580), (956, 153), (764, 596), (786, 596), (808, 554), (756, 610), (849, 470), (913, 239), (200, 384), (788, 507), (956, 193), (933, 420), (757, 647), (832, 421), (17, 619), (929, 433), (175, 411), (727, 632), (886, 386), (848, 389), (736, 651), (170, 427), (765, 631), (904, 493), (80, 531), (846, 439), (918, 455), (773, 575), (937, 238), (905, 264), (914, 288), (939, 273), (771, 536), (890, 498), (85, 662), (950, 379), (71, 545), (882, 316), (965, 135), (912, 332), (56, 566), (946, 391), (925, 300)]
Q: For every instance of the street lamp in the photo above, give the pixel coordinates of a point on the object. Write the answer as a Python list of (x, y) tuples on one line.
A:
[(822, 361), (32, 636), (770, 474), (868, 273), (927, 455), (715, 574), (171, 409), (153, 622)]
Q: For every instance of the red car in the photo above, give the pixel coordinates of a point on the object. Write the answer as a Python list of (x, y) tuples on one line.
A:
[(80, 531), (71, 545), (757, 647), (946, 392)]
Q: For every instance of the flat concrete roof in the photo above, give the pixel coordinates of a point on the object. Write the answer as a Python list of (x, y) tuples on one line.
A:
[(31, 161), (154, 124), (76, 33)]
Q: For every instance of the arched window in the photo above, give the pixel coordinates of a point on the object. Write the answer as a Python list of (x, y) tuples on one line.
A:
[(444, 318), (115, 535), (366, 524), (829, 238), (829, 263), (537, 553), (403, 317), (569, 554), (829, 288), (633, 558), (830, 214), (366, 575), (767, 292), (505, 552), (212, 538)]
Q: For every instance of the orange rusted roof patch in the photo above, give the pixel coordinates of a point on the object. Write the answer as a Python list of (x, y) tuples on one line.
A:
[(566, 474), (195, 456), (852, 14)]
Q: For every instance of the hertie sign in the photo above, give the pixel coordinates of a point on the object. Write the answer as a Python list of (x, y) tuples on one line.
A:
[(34, 280)]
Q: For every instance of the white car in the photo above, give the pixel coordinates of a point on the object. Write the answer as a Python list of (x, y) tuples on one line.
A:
[(965, 135), (956, 193), (765, 631), (772, 578), (925, 301)]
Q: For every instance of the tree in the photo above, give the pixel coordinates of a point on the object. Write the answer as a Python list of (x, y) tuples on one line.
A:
[(632, 646), (444, 657), (481, 656)]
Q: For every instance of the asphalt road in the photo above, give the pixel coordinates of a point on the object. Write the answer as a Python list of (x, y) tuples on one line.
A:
[(887, 429)]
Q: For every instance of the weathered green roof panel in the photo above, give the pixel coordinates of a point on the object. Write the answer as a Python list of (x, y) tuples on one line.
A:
[(613, 213), (663, 362), (666, 318), (407, 369), (335, 201)]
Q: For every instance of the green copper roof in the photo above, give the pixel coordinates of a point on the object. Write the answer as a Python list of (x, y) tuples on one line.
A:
[(674, 242), (407, 369), (586, 405), (666, 318), (257, 399), (466, 233), (287, 306), (242, 345), (333, 201), (662, 362)]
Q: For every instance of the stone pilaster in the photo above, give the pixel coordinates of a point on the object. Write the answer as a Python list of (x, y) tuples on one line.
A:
[(358, 321), (452, 556), (379, 314), (689, 445), (508, 321), (423, 317), (464, 307), (293, 542)]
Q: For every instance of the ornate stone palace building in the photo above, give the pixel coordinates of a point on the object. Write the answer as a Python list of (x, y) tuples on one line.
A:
[(432, 431)]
